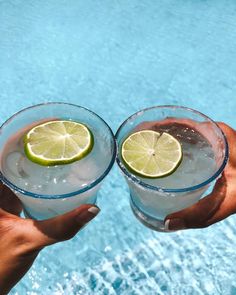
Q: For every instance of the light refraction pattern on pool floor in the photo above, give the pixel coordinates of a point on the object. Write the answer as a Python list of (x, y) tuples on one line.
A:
[(117, 57)]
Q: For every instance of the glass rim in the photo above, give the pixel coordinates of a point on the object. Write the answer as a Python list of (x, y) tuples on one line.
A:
[(74, 193), (138, 181)]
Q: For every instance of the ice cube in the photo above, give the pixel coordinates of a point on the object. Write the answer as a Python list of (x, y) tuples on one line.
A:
[(84, 171)]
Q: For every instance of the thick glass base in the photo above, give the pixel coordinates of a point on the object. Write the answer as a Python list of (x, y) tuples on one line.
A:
[(149, 221), (44, 216)]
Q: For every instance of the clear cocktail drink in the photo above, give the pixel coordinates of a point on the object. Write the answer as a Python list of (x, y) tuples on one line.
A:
[(46, 191), (204, 155)]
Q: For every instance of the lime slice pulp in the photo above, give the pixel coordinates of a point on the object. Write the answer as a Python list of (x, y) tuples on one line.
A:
[(58, 142), (151, 154)]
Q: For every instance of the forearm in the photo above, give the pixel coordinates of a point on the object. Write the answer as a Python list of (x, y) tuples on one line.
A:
[(12, 270)]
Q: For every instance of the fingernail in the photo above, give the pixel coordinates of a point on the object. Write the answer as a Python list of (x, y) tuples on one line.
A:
[(174, 224), (94, 210), (87, 215)]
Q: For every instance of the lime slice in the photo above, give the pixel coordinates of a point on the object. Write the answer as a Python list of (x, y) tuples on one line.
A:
[(58, 142), (151, 154)]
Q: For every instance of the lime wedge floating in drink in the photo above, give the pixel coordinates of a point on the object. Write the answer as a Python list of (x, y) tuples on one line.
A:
[(58, 142), (151, 154)]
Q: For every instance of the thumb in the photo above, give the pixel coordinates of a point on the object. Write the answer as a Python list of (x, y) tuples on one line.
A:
[(62, 227), (199, 214)]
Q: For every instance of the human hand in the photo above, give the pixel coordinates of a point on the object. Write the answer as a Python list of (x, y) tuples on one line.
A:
[(219, 204), (22, 239)]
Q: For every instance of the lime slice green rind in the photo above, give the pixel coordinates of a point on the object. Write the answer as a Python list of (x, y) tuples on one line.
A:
[(49, 144), (149, 154)]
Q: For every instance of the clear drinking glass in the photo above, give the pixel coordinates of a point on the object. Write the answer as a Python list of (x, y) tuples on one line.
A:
[(205, 154), (48, 191)]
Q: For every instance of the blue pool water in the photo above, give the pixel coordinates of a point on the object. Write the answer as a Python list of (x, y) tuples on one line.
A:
[(116, 57)]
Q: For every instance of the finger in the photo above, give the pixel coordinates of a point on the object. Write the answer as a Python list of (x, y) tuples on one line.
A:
[(199, 214), (229, 131), (230, 134), (60, 228), (224, 212), (228, 206), (9, 201)]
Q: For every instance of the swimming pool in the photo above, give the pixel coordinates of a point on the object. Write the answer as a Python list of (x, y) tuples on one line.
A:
[(116, 57)]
